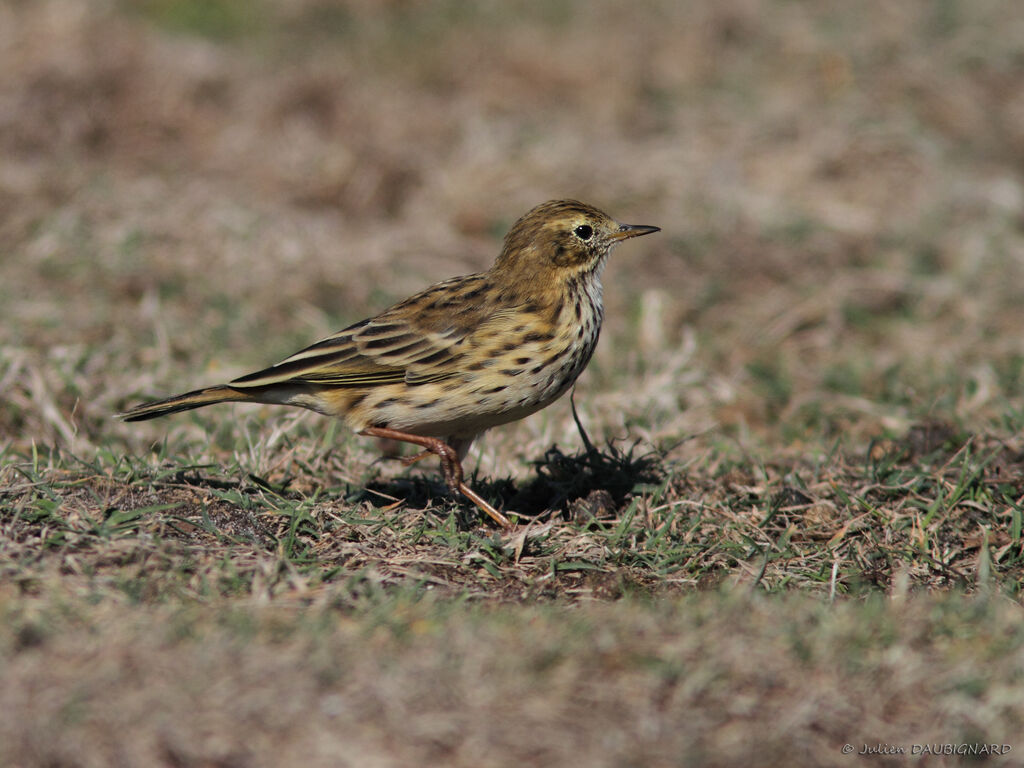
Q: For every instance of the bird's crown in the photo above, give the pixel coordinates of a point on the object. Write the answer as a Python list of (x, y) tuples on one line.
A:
[(564, 235)]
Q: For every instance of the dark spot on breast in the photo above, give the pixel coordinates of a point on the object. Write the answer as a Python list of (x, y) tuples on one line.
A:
[(495, 390), (510, 345), (553, 359), (537, 336), (511, 371), (523, 360), (556, 310), (428, 404), (537, 369), (479, 365)]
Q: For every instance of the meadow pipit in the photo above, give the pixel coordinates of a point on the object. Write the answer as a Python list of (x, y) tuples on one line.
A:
[(465, 355)]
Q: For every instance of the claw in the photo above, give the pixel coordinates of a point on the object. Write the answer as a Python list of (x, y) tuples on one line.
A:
[(410, 460)]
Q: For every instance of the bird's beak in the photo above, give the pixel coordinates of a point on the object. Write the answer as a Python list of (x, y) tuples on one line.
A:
[(633, 230)]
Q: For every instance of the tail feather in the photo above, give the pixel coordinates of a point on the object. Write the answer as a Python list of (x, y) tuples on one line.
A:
[(186, 402)]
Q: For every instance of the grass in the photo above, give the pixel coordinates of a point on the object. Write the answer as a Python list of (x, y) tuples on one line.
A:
[(937, 509), (784, 515)]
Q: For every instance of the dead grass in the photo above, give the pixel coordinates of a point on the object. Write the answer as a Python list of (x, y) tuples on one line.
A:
[(810, 384), (933, 510)]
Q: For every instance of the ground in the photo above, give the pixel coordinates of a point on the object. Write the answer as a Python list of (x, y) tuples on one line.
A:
[(782, 520)]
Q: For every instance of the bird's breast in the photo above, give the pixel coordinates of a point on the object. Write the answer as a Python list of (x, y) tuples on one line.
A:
[(512, 366)]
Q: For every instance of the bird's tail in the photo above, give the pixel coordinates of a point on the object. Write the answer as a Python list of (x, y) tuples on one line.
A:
[(186, 402)]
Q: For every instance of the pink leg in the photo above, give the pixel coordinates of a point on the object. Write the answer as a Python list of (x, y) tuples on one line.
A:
[(451, 467)]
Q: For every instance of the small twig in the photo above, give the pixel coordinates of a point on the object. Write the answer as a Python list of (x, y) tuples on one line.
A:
[(761, 571)]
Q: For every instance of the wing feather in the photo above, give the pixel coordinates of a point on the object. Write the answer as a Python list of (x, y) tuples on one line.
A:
[(416, 341)]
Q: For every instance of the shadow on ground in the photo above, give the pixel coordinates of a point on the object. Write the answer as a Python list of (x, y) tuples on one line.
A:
[(592, 484)]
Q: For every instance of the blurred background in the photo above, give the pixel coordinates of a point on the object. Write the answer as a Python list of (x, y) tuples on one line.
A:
[(192, 189), (824, 339)]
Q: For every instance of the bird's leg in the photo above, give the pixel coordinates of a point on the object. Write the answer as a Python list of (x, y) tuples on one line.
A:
[(451, 467), (410, 460)]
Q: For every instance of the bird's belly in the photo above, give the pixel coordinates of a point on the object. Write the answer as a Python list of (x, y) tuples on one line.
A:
[(463, 405), (459, 411)]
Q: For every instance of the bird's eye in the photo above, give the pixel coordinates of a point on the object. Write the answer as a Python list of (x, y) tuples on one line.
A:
[(584, 231)]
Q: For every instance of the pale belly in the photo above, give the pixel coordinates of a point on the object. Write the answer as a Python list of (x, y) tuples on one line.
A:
[(466, 406)]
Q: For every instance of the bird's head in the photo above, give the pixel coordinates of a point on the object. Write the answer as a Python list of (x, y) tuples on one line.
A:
[(563, 238)]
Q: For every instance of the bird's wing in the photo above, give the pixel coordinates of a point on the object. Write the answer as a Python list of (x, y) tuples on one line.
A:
[(415, 342)]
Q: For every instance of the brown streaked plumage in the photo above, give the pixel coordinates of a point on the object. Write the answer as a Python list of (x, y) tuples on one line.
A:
[(465, 355)]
